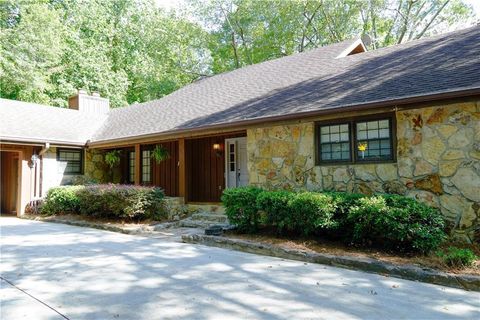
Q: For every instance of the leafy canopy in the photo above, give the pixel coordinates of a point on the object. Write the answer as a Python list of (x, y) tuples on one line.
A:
[(134, 51)]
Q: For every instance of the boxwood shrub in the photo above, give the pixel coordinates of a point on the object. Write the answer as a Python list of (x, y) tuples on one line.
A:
[(107, 201), (382, 220), (303, 212), (241, 208)]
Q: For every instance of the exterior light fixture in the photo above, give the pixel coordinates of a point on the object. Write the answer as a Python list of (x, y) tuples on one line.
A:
[(33, 161), (217, 149)]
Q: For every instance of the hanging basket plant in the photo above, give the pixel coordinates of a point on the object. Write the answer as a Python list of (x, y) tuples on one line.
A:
[(112, 158), (160, 153)]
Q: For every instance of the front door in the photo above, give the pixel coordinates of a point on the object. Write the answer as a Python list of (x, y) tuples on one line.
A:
[(236, 173)]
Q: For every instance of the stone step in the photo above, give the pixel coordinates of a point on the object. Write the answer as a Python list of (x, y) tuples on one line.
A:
[(209, 217), (189, 223)]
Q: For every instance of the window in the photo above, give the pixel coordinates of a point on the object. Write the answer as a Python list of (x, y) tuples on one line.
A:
[(146, 166), (131, 167), (335, 142), (231, 156), (71, 160), (374, 140), (355, 141)]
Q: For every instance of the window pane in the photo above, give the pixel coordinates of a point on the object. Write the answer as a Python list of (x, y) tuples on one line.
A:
[(146, 166), (383, 124), (384, 133), (335, 137)]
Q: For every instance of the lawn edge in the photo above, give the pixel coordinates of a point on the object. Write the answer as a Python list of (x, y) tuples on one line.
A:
[(408, 272)]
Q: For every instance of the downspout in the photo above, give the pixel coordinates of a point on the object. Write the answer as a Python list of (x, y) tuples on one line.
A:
[(40, 180)]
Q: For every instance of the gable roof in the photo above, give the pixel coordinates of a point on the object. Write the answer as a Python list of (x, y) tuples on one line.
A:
[(308, 82), (35, 123)]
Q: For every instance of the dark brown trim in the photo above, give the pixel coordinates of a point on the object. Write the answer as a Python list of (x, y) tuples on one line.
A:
[(307, 114)]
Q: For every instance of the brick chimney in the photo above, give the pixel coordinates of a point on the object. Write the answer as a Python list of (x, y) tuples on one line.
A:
[(93, 104)]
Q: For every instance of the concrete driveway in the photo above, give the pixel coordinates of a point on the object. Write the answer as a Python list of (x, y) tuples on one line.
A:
[(60, 271)]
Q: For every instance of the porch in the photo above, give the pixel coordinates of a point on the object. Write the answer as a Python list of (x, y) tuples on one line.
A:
[(197, 169)]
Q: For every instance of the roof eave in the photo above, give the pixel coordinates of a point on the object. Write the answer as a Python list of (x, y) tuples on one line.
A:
[(444, 95), (40, 141)]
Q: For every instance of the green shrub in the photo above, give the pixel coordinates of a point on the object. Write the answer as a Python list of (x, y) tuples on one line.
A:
[(107, 201), (241, 208), (121, 201), (396, 222), (302, 212), (344, 201), (389, 221), (277, 210), (458, 258), (61, 200)]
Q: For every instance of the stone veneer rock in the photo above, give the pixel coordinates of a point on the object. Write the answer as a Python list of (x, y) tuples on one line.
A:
[(438, 162), (95, 167)]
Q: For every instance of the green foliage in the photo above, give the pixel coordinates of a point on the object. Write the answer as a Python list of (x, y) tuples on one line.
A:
[(160, 153), (241, 209), (61, 200), (134, 51), (245, 32), (396, 222), (112, 158), (107, 201), (388, 221), (457, 257), (301, 213)]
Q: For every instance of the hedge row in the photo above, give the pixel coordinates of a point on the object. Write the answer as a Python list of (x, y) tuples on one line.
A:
[(382, 220), (106, 201)]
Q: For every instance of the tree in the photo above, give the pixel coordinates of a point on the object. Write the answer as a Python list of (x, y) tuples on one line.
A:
[(132, 51), (248, 31), (31, 46)]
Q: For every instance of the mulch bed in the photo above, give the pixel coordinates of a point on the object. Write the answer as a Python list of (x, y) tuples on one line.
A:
[(337, 248)]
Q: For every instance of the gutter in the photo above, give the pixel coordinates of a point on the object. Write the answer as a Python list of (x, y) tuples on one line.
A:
[(40, 142), (300, 115)]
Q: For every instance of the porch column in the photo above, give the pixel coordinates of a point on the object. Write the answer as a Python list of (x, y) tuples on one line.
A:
[(182, 170), (138, 164)]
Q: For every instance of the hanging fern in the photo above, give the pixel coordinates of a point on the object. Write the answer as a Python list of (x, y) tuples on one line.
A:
[(112, 158), (160, 153)]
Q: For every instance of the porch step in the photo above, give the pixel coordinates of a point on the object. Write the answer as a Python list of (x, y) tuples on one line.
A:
[(211, 217), (204, 220)]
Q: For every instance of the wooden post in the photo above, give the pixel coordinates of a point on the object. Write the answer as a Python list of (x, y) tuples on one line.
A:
[(182, 170), (138, 164)]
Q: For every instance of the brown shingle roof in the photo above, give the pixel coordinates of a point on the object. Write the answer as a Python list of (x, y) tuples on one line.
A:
[(31, 122), (309, 81)]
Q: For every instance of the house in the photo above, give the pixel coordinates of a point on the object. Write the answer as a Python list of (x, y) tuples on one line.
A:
[(403, 119)]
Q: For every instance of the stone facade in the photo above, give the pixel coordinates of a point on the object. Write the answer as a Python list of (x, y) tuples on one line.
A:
[(438, 162), (97, 170)]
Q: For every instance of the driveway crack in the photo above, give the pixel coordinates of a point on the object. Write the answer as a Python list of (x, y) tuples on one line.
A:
[(35, 298)]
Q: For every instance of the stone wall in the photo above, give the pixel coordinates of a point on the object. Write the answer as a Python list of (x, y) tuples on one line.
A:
[(438, 162), (95, 167)]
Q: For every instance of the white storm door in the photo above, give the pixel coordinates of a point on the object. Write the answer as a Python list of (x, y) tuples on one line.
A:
[(236, 173)]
